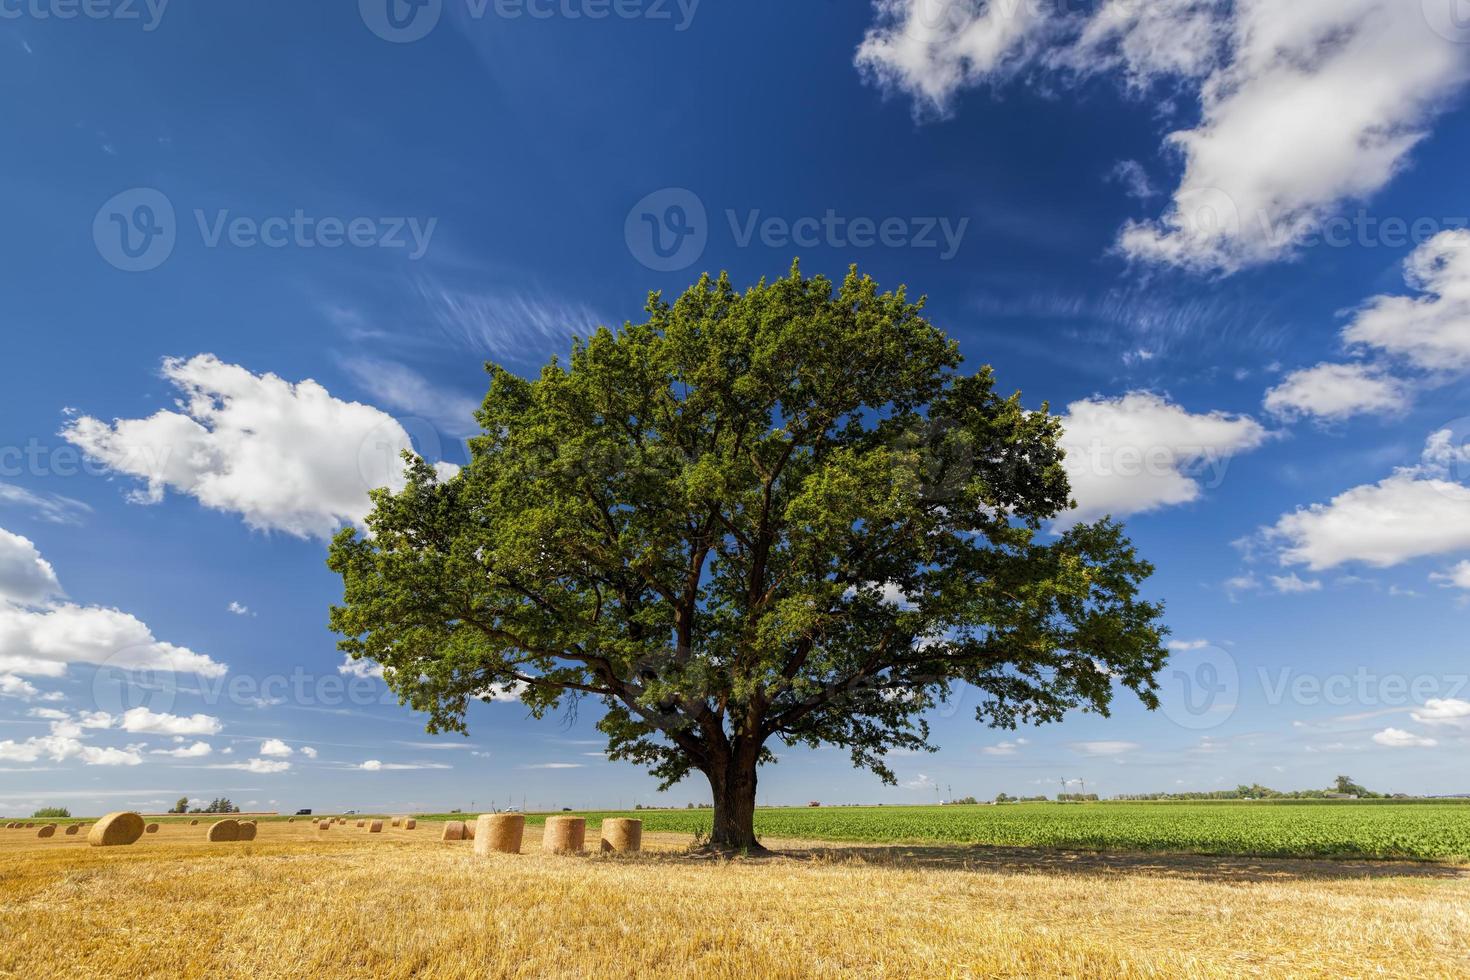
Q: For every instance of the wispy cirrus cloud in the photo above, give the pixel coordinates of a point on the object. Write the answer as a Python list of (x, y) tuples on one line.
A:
[(505, 324), (50, 507)]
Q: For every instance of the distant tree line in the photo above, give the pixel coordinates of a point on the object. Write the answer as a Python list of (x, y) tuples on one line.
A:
[(1007, 798), (218, 805), (1341, 786)]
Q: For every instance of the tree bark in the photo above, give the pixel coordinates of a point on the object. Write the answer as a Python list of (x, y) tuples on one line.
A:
[(733, 786)]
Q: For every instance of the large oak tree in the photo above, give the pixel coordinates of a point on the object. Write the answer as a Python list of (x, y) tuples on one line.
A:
[(778, 516)]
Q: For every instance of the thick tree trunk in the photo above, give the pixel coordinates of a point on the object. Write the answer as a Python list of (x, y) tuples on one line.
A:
[(733, 786)]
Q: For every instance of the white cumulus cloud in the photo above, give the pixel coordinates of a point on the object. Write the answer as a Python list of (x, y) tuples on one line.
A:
[(1300, 106), (1431, 330), (17, 687), (1457, 577), (144, 721), (1416, 512), (25, 577), (276, 748), (360, 668), (1141, 452), (1333, 392), (198, 750), (263, 767), (40, 636), (1004, 748), (1397, 738), (41, 642), (286, 457), (1447, 712), (60, 748), (1294, 584)]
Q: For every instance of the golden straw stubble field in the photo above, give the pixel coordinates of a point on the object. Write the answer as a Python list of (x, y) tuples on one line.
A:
[(298, 902)]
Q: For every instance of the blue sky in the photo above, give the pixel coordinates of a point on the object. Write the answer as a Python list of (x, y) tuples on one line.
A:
[(251, 251)]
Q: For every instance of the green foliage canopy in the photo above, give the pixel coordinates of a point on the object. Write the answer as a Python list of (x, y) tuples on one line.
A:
[(784, 514)]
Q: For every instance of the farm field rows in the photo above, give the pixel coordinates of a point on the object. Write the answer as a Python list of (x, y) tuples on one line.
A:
[(1415, 831)]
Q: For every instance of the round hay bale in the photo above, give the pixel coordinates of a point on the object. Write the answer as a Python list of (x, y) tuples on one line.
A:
[(248, 830), (622, 835), (49, 830), (73, 829), (564, 835), (324, 825), (223, 831), (362, 823), (396, 821), (410, 824), (194, 823), (290, 819), (376, 828), (453, 830), (152, 828), (116, 830), (499, 833)]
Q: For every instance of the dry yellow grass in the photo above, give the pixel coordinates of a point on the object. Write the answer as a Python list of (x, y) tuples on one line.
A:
[(172, 905)]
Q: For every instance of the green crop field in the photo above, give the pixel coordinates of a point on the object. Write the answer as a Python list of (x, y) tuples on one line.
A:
[(1429, 831)]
